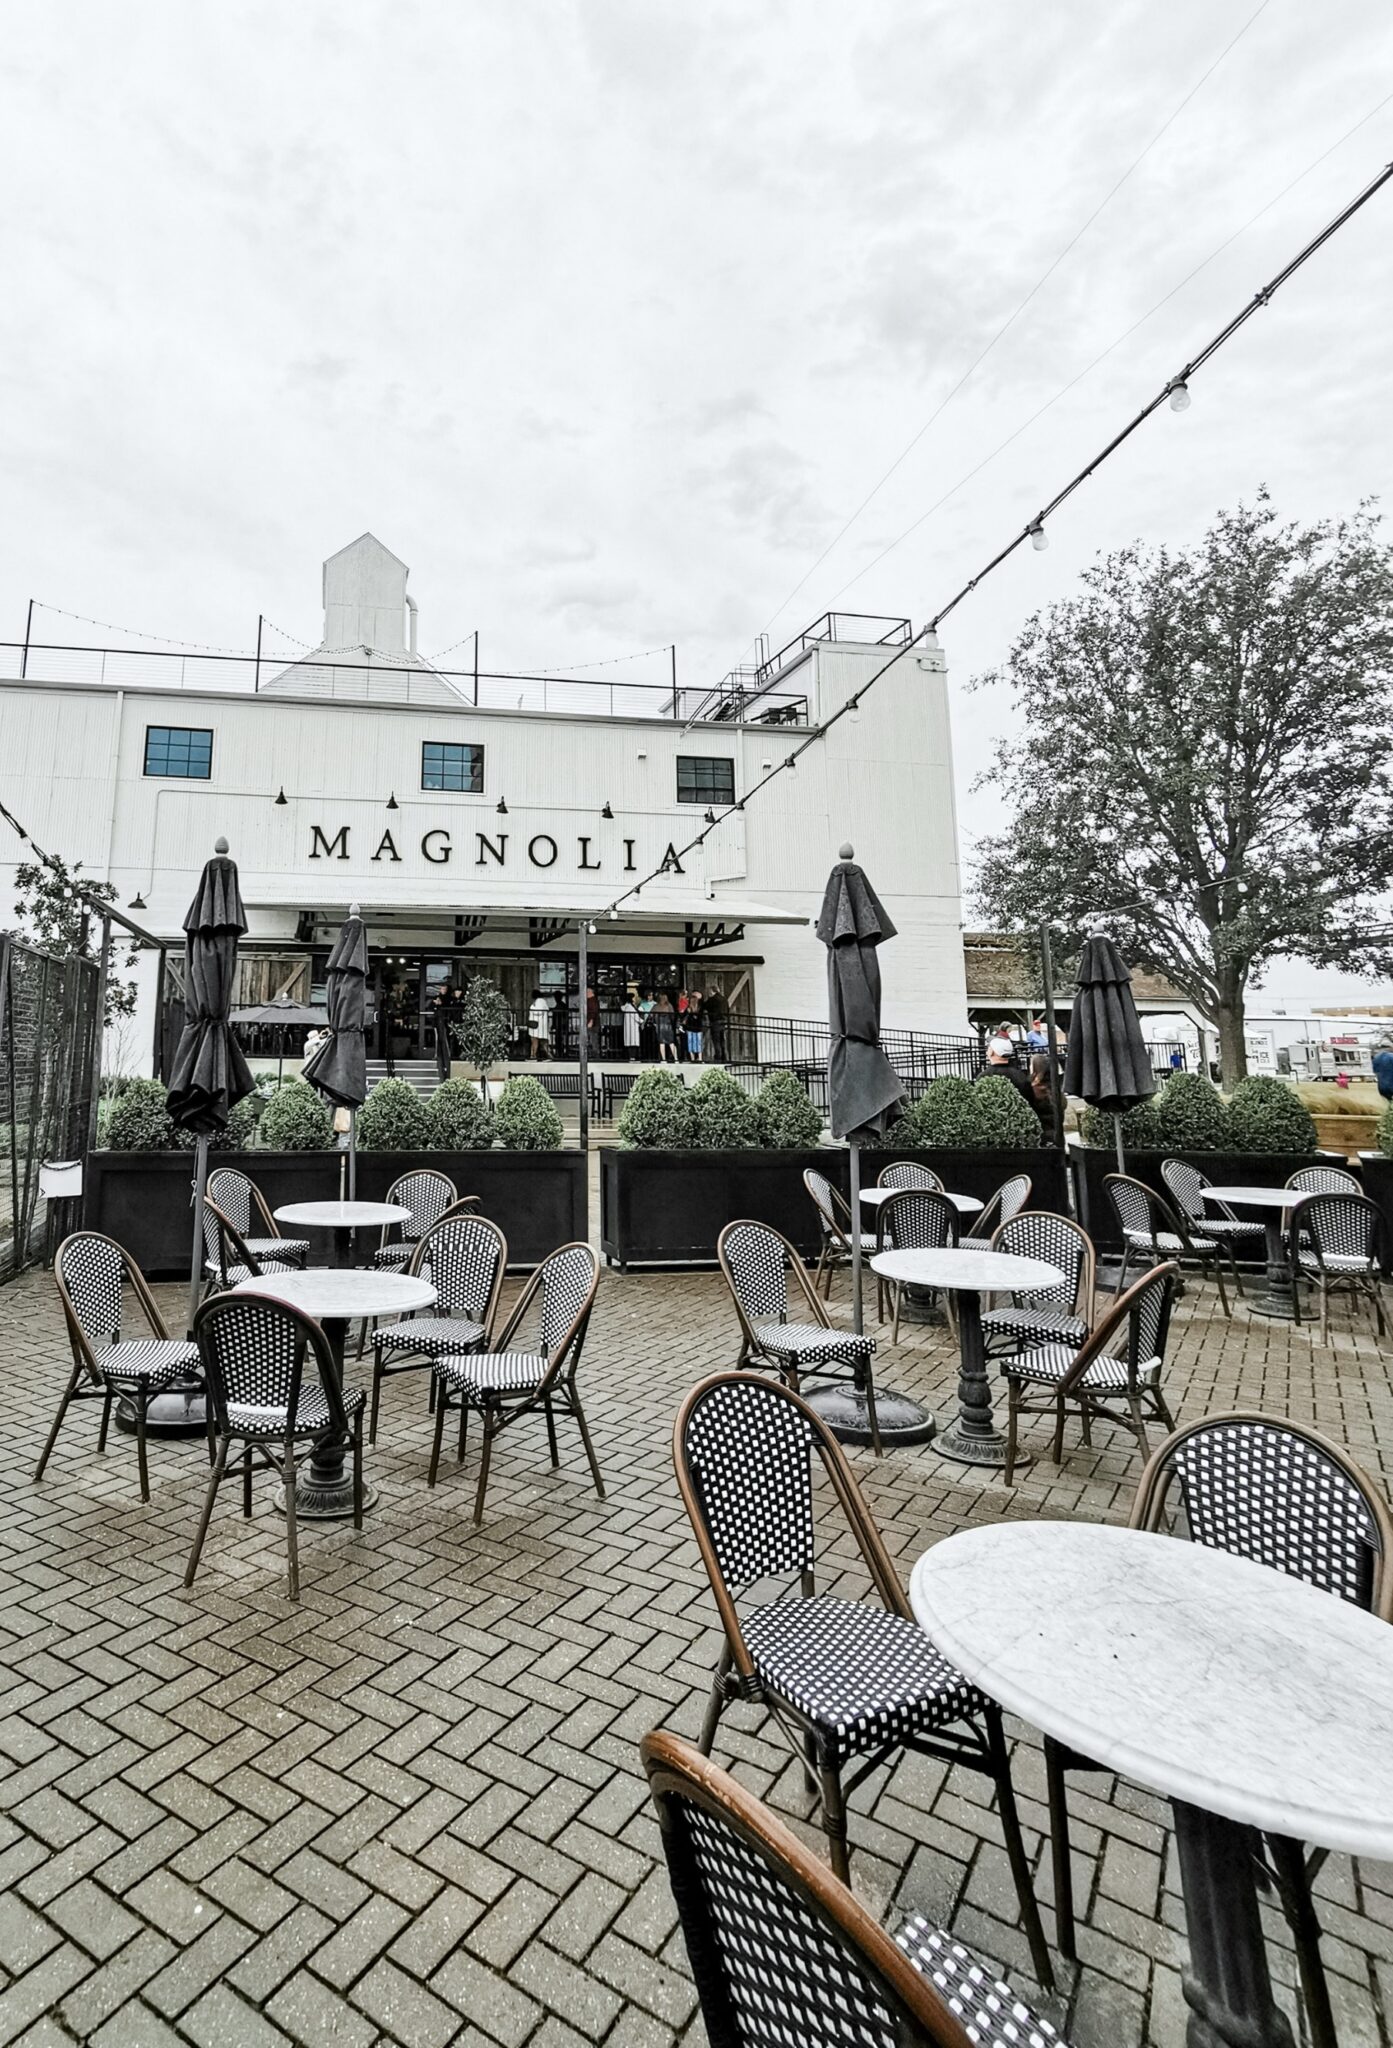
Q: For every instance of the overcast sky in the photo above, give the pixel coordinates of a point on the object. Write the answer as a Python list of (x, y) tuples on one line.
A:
[(605, 317)]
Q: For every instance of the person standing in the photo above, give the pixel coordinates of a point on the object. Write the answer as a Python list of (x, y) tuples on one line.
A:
[(694, 1028), (647, 1038), (1003, 1065), (716, 1022), (1383, 1066), (539, 1026), (592, 1022), (664, 1022), (632, 1024), (680, 1022)]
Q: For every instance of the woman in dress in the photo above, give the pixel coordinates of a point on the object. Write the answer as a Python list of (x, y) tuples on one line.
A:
[(664, 1022)]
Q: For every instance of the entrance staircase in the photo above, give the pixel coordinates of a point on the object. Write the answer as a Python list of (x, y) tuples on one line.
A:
[(421, 1074)]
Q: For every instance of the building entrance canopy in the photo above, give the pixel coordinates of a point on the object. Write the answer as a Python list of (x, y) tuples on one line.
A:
[(667, 912)]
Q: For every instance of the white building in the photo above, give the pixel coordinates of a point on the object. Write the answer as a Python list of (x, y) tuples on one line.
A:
[(477, 818)]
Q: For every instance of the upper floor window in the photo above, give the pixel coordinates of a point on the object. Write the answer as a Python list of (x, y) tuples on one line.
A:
[(447, 765), (705, 779), (179, 750)]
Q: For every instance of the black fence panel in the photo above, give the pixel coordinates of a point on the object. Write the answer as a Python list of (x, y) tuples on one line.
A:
[(48, 1026)]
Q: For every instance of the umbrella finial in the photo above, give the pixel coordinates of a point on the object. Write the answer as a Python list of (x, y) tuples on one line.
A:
[(846, 851), (220, 845)]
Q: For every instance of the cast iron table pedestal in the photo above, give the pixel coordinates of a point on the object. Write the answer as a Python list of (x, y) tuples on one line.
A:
[(1276, 1303), (917, 1304), (335, 1298)]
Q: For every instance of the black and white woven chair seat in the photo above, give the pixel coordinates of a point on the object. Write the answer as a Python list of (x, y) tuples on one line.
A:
[(863, 1676), (311, 1414), (391, 1258), (437, 1336), (1043, 1325), (1052, 1362), (269, 1269), (494, 1372), (1225, 1226), (989, 2010), (1336, 1262), (1165, 1242), (811, 1341), (151, 1361), (280, 1250)]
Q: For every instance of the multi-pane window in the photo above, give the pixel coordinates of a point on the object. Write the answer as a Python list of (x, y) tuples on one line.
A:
[(179, 750), (447, 765), (705, 779)]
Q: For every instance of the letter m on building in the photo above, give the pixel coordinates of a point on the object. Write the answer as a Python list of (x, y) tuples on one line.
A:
[(328, 849)]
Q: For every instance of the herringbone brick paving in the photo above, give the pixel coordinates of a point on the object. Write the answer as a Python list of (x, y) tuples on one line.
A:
[(409, 1810)]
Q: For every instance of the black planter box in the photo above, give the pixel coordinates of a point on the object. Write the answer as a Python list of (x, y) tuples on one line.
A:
[(1376, 1172), (537, 1199), (1090, 1163), (668, 1208)]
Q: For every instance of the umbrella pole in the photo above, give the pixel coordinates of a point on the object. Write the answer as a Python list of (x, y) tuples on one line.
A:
[(200, 1181), (1117, 1135), (352, 1155), (855, 1182)]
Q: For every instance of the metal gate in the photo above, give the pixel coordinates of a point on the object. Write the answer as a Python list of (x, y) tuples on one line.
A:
[(48, 1027)]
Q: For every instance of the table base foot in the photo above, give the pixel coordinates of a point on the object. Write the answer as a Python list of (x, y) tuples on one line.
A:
[(1273, 1307), (901, 1421), (325, 1503), (955, 1442), (1227, 1986)]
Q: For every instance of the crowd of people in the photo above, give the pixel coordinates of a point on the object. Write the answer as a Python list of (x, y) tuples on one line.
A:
[(1031, 1076), (670, 1026)]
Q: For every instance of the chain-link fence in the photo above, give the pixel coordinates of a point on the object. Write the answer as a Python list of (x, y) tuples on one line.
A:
[(48, 1026)]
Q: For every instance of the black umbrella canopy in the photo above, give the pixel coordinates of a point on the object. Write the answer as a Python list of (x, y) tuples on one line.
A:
[(863, 1088), (209, 1074), (1108, 1064), (281, 1010), (339, 1068)]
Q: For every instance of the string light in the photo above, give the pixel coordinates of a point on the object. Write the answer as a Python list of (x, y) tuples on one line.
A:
[(1180, 396), (1034, 529)]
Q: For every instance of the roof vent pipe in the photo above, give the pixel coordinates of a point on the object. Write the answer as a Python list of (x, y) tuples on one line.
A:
[(411, 608)]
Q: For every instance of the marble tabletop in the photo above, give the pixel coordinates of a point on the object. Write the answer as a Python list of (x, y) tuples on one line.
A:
[(967, 1269), (343, 1293), (1256, 1198), (967, 1204), (1199, 1675), (341, 1215)]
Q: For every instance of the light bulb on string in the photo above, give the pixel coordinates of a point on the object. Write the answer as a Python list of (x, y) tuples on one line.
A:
[(615, 914), (1039, 539), (1180, 396)]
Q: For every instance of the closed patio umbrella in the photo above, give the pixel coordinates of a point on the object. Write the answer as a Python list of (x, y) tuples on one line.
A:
[(209, 1075), (1108, 1064), (339, 1069)]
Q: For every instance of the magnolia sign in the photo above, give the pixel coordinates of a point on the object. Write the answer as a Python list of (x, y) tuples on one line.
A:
[(489, 849)]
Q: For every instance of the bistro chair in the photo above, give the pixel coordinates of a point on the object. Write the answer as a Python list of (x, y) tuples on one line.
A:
[(1062, 1314), (835, 1222), (228, 1258), (906, 1173), (1187, 1185), (244, 1206), (1153, 1231), (757, 1263), (1008, 1201), (1113, 1376), (1280, 1494), (503, 1385), (1319, 1180), (1336, 1243), (425, 1194), (254, 1351), (92, 1273), (846, 1681), (916, 1219), (780, 1952), (466, 1256)]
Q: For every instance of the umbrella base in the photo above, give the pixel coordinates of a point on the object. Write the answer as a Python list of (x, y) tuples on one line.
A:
[(967, 1448), (315, 1503), (901, 1421), (180, 1411)]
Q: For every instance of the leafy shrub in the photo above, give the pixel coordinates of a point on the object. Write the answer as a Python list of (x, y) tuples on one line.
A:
[(945, 1118), (786, 1116), (1141, 1128), (296, 1119), (1005, 1120), (658, 1114), (526, 1117), (1265, 1115), (482, 1023), (1385, 1131), (954, 1115), (1191, 1115), (140, 1120), (724, 1116), (393, 1119), (240, 1134), (458, 1119)]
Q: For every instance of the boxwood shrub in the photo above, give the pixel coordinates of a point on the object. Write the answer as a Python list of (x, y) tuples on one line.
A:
[(1192, 1116), (955, 1115), (393, 1119), (787, 1117), (1385, 1131), (526, 1117), (296, 1119), (140, 1120), (658, 1115), (1141, 1128), (458, 1119), (724, 1117), (1266, 1115)]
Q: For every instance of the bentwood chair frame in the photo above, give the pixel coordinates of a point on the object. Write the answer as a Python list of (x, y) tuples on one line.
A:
[(1007, 1201), (776, 1539), (836, 1223), (1143, 1212), (1044, 1315), (907, 1173), (229, 1187), (388, 1361), (551, 1392), (257, 1398), (1217, 1224), (782, 1951), (427, 1194), (221, 1236), (849, 1359), (1335, 1242), (915, 1219), (1120, 1394), (86, 1296), (1283, 1495)]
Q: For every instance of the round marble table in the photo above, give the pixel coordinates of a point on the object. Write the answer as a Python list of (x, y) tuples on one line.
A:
[(1246, 1698), (1276, 1303), (970, 1271), (336, 1297), (966, 1205), (343, 1218)]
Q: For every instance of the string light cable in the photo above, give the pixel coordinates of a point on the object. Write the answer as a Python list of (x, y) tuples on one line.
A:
[(1034, 529)]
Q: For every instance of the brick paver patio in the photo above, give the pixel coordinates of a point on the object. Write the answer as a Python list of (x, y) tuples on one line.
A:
[(409, 1809)]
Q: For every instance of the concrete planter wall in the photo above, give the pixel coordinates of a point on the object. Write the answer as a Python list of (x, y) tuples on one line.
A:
[(537, 1199), (668, 1208), (1090, 1163)]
